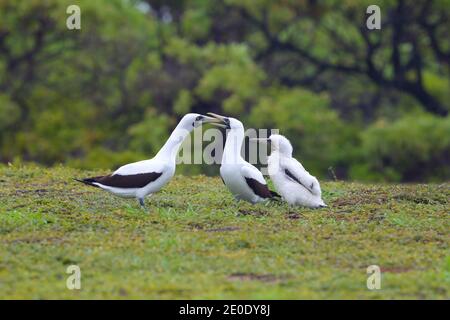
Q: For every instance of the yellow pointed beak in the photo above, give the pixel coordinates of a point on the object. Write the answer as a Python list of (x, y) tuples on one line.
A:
[(217, 116), (218, 124), (211, 120)]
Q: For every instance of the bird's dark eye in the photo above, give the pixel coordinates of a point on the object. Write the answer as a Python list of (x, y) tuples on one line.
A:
[(199, 118)]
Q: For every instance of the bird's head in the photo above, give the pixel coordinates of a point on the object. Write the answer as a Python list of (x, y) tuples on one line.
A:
[(226, 122), (194, 120), (278, 143), (281, 144)]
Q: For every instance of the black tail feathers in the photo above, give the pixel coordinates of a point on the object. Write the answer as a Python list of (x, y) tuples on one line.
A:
[(87, 181)]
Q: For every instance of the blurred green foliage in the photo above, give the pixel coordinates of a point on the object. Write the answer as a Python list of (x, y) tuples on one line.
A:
[(111, 92), (319, 137), (414, 147)]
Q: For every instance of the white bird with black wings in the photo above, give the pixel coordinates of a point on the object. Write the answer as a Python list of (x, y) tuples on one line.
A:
[(142, 178), (296, 185), (243, 180)]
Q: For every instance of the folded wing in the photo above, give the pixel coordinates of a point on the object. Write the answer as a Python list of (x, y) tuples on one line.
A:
[(256, 182), (129, 181), (133, 175), (297, 173)]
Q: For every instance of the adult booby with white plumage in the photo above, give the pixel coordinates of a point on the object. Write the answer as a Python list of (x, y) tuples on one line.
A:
[(296, 185), (146, 177), (243, 180)]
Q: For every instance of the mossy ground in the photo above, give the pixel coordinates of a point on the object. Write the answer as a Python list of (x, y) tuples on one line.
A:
[(195, 242)]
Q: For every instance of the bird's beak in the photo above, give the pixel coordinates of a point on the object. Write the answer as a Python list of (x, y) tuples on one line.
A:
[(219, 125), (217, 117), (212, 120), (260, 139), (219, 120)]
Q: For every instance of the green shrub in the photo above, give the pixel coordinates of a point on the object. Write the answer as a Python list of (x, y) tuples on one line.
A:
[(319, 137), (414, 148)]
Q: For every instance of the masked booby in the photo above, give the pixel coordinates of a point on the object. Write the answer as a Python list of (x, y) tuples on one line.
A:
[(146, 177), (243, 180), (296, 185)]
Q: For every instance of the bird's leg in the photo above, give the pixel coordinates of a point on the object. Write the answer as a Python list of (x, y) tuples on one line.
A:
[(142, 203), (236, 201)]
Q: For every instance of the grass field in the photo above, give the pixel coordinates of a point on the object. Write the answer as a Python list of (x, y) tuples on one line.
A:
[(195, 242)]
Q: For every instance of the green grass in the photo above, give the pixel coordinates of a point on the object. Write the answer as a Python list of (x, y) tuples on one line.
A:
[(195, 242)]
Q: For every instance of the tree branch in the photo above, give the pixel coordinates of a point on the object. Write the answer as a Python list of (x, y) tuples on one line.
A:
[(398, 21)]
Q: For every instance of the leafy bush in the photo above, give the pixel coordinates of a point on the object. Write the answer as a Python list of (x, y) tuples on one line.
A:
[(111, 92), (148, 136), (319, 137), (416, 147)]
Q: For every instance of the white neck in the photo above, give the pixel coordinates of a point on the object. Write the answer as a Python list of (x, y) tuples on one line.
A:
[(233, 145), (170, 149)]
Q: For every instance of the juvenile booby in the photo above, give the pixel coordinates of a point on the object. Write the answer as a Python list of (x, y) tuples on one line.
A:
[(142, 178), (243, 180), (289, 177)]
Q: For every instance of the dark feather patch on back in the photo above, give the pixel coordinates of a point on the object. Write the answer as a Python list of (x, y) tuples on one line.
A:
[(274, 194), (258, 188), (120, 181), (290, 175)]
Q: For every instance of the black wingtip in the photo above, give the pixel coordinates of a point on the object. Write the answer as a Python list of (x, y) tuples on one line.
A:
[(87, 181), (275, 196)]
